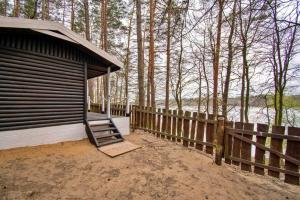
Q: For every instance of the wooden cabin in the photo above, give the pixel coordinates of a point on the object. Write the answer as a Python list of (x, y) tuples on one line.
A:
[(44, 68)]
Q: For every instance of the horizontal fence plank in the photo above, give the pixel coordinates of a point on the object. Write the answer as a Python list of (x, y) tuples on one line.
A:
[(182, 138), (265, 134), (264, 166), (277, 153), (211, 121)]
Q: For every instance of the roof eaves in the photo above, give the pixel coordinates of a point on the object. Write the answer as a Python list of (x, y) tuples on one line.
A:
[(10, 22)]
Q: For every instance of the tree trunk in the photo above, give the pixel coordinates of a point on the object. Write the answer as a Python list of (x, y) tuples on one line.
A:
[(127, 59), (140, 54), (35, 6), (216, 58), (3, 10), (242, 96), (64, 12), (72, 15), (16, 12), (247, 97), (229, 62), (152, 51), (207, 90), (178, 96), (169, 10), (45, 10), (87, 20), (200, 88), (103, 36)]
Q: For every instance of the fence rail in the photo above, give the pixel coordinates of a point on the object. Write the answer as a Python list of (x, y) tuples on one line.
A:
[(238, 143), (115, 109), (275, 152)]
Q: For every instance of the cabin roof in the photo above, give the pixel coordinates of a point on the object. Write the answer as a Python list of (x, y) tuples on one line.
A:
[(57, 30)]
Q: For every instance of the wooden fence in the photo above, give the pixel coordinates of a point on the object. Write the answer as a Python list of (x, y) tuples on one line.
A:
[(281, 157), (192, 129), (115, 109), (275, 152)]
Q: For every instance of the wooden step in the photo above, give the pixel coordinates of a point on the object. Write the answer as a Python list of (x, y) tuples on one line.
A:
[(100, 127), (99, 144), (104, 124), (104, 129), (106, 135), (98, 122)]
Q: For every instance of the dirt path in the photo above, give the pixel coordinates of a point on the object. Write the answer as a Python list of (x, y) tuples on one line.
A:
[(159, 170)]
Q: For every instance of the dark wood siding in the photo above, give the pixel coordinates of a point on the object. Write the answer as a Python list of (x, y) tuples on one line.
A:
[(41, 82)]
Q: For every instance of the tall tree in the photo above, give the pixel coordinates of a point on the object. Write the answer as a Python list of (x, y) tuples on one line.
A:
[(250, 17), (3, 8), (284, 39), (140, 54), (217, 57), (16, 11), (152, 52), (169, 37), (73, 15), (45, 9), (230, 59), (103, 35), (87, 19), (127, 58)]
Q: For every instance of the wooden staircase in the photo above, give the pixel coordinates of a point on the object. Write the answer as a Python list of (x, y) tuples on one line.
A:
[(103, 132)]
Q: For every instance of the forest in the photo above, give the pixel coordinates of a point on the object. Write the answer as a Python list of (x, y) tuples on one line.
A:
[(236, 58)]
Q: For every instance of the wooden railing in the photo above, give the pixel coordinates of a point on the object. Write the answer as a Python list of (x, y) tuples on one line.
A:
[(115, 109), (276, 153)]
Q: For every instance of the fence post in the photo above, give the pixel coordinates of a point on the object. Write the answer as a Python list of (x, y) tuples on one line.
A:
[(133, 117), (220, 141)]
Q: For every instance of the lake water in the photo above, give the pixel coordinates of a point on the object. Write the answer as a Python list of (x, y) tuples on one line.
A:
[(256, 115)]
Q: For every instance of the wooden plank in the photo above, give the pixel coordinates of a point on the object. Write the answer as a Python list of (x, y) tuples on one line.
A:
[(141, 117), (138, 117), (153, 126), (210, 134), (276, 144), (260, 153), (228, 142), (158, 123), (145, 121), (174, 125), (164, 123), (186, 128), (276, 169), (119, 148), (193, 128), (200, 130), (265, 134), (246, 148), (179, 125), (211, 121), (219, 148), (292, 150), (273, 151), (189, 140), (236, 151), (169, 124), (148, 118)]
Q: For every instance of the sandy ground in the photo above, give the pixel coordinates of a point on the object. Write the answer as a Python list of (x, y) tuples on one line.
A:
[(159, 170)]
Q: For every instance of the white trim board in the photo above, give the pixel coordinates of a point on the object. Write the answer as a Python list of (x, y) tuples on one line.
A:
[(44, 135)]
